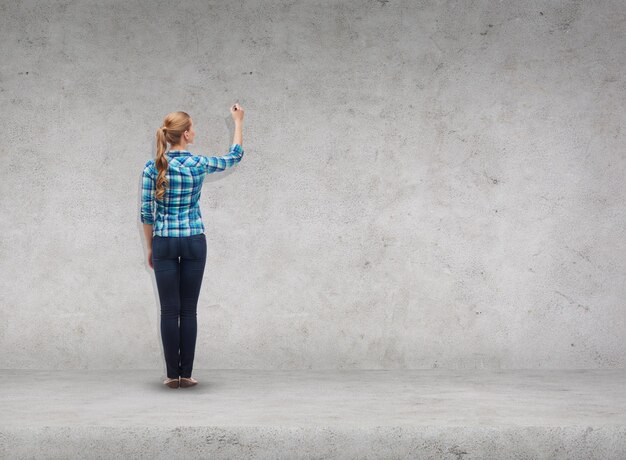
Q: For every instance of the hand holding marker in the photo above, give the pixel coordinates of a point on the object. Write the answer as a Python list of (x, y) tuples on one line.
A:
[(237, 112)]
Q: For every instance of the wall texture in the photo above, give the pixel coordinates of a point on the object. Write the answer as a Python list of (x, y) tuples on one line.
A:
[(425, 183)]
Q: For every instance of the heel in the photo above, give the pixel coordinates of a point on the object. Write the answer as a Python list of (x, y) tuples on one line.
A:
[(172, 383), (187, 382)]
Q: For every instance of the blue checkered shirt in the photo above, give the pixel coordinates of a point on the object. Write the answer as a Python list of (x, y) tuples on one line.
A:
[(178, 213)]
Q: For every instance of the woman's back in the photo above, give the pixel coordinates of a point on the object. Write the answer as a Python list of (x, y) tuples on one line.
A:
[(178, 212)]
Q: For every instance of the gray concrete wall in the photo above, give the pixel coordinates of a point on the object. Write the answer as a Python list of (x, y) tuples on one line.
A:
[(425, 184)]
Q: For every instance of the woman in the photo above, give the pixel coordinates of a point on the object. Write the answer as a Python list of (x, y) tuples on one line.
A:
[(176, 241)]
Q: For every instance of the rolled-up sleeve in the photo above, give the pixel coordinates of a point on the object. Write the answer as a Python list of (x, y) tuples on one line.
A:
[(217, 164), (147, 195)]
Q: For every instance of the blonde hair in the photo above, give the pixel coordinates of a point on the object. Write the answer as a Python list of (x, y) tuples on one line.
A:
[(174, 125)]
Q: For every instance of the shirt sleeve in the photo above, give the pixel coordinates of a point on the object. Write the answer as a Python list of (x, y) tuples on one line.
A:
[(217, 164), (147, 195)]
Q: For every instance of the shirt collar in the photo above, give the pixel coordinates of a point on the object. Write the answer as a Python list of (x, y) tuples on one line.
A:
[(179, 152)]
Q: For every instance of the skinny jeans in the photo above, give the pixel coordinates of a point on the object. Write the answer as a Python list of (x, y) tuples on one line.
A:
[(178, 268)]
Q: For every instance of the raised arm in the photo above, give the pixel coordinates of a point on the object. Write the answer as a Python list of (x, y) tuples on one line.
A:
[(218, 164)]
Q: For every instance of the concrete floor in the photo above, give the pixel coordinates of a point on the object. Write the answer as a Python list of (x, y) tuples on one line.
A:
[(432, 413)]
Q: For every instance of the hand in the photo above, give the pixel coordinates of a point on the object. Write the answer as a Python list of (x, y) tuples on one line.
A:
[(237, 112), (150, 258)]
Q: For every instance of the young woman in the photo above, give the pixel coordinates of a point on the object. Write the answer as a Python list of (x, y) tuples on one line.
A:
[(175, 236)]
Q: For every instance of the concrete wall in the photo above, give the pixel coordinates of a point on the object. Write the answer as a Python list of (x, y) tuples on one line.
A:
[(425, 183)]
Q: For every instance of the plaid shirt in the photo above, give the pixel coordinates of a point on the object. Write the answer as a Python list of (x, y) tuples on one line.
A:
[(178, 213)]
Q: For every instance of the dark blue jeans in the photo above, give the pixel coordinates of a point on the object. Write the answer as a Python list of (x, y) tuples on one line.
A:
[(178, 268)]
